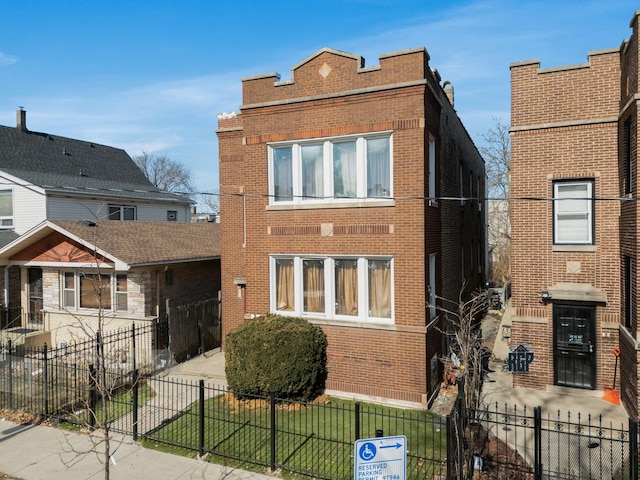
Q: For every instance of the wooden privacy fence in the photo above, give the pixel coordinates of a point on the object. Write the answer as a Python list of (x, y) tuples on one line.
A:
[(194, 328)]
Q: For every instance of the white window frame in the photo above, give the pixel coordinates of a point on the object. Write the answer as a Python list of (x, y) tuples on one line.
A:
[(586, 212), (6, 221), (328, 197), (113, 282), (122, 209), (329, 282)]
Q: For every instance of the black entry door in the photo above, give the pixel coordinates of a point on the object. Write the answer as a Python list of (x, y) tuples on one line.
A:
[(574, 346)]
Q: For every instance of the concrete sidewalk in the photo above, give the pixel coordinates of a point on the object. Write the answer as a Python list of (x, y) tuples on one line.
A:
[(33, 452)]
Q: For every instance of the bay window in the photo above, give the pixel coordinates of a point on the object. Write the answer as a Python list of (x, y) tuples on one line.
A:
[(573, 212), (341, 288), (331, 170)]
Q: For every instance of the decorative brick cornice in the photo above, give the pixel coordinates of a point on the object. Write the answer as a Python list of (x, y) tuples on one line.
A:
[(393, 125)]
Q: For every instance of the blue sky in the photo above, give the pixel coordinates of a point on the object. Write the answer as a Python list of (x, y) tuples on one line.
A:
[(153, 74)]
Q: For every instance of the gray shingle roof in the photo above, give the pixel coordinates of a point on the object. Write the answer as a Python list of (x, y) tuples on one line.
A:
[(139, 243), (60, 164)]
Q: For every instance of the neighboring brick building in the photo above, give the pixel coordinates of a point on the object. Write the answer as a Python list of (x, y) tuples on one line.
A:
[(325, 185), (574, 136)]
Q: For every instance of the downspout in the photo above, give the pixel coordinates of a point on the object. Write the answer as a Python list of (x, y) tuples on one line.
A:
[(6, 286)]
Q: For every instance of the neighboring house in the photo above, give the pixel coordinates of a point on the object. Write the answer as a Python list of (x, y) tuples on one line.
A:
[(47, 177), (332, 187), (137, 267), (574, 259)]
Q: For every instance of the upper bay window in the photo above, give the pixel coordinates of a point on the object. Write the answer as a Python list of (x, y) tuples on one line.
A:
[(355, 288), (573, 222), (326, 171)]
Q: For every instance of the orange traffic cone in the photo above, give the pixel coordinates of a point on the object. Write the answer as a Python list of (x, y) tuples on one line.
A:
[(610, 394)]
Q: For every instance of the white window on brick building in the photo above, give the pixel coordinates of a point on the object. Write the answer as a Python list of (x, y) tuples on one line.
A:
[(573, 212), (335, 170), (340, 288), (82, 290)]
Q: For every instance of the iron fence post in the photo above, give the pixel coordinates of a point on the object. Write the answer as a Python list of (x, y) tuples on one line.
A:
[(10, 375), (201, 415), (633, 449), (133, 343), (135, 404), (537, 443), (272, 399), (45, 379), (460, 421), (92, 396), (451, 435), (357, 414)]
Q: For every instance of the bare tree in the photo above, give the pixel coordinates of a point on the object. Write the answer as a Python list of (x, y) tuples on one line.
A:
[(211, 202), (467, 360), (106, 378), (165, 173), (497, 156)]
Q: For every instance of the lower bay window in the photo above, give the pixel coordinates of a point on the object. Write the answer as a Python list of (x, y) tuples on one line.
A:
[(82, 290), (341, 288)]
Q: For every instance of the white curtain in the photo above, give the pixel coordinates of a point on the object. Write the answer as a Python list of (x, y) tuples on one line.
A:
[(312, 171), (378, 168), (282, 174), (344, 170)]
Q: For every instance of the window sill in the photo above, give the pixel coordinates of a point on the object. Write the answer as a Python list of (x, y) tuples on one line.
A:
[(378, 325), (337, 204), (575, 248)]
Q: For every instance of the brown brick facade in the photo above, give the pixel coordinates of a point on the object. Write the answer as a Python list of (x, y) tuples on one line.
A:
[(330, 96), (568, 124)]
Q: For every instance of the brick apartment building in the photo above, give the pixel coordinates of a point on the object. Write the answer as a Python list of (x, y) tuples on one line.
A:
[(330, 186), (574, 258)]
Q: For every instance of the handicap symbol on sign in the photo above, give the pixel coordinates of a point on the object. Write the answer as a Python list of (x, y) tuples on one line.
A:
[(367, 451)]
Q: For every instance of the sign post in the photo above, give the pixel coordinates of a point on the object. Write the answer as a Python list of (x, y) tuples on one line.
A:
[(382, 458)]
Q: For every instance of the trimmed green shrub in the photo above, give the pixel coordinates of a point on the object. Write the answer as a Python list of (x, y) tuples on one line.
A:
[(283, 356)]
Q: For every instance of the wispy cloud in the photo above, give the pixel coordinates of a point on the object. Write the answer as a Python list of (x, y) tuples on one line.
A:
[(7, 59)]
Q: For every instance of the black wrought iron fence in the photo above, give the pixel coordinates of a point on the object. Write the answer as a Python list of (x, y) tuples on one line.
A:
[(314, 439), (51, 380)]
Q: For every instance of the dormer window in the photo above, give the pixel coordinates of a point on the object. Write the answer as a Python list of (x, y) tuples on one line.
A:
[(6, 209)]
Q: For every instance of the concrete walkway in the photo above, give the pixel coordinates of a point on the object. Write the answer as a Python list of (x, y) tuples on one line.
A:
[(499, 388)]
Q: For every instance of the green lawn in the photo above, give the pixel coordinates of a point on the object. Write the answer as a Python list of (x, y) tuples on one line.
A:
[(118, 405), (312, 439)]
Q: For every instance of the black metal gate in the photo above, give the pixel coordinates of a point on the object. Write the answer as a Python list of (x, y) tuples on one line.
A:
[(574, 346)]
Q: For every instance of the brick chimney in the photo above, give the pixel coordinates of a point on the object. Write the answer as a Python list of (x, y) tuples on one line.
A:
[(21, 119)]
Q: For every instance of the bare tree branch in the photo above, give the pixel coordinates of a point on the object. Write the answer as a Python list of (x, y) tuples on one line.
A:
[(165, 173), (497, 157)]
